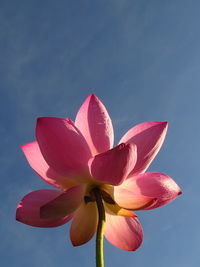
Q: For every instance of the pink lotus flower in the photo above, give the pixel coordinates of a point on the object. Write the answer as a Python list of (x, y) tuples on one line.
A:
[(77, 157)]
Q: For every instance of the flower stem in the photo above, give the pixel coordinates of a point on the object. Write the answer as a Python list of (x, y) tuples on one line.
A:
[(100, 228)]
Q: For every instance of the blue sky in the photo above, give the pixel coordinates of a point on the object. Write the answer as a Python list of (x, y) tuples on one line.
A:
[(142, 59)]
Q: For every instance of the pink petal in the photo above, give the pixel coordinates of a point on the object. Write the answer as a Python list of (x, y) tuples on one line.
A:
[(28, 209), (128, 199), (114, 165), (123, 232), (95, 124), (39, 165), (62, 146), (148, 137), (64, 204), (153, 184), (84, 224)]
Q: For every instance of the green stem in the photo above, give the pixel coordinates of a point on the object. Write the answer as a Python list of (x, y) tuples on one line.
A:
[(100, 228)]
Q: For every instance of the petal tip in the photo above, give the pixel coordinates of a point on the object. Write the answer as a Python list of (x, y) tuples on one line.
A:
[(92, 95), (161, 124), (93, 98), (74, 244), (26, 146), (17, 215), (39, 119), (180, 192), (164, 124), (22, 147)]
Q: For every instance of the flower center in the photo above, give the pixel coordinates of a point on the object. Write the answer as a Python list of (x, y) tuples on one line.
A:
[(90, 197), (106, 193)]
